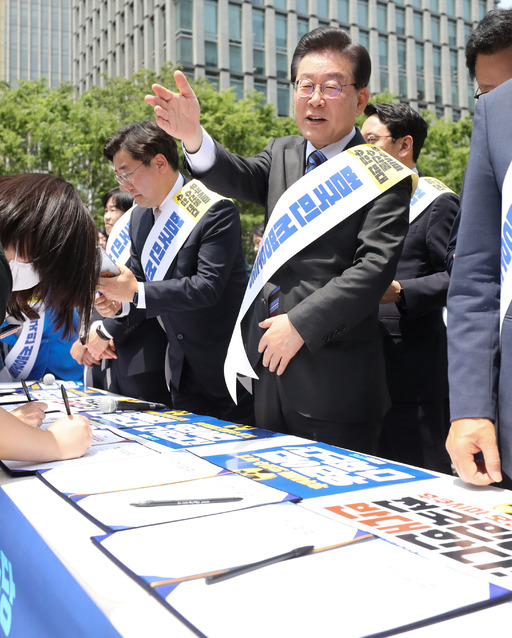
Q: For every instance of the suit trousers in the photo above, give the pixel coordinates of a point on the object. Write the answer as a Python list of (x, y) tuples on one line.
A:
[(274, 412), (415, 433), (193, 398)]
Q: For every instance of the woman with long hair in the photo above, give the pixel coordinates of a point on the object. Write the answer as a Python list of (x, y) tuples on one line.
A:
[(47, 254)]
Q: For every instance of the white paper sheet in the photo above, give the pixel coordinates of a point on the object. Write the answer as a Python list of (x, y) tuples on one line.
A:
[(123, 474), (115, 509)]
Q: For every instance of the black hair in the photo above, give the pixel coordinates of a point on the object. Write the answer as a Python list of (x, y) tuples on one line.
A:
[(258, 229), (123, 201), (401, 120), (43, 217), (492, 34), (143, 140), (336, 39)]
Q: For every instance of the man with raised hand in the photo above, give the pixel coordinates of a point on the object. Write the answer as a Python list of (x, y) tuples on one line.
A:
[(312, 333)]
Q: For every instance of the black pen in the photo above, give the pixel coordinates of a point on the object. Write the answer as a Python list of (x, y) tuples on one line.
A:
[(65, 397), (243, 569), (192, 501), (25, 390)]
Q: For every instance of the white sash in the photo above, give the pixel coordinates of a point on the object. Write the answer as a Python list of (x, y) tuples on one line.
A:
[(172, 229), (21, 357), (428, 189), (506, 245), (118, 244), (317, 202)]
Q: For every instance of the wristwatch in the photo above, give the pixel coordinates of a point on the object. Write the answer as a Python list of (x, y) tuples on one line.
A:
[(135, 299), (101, 334)]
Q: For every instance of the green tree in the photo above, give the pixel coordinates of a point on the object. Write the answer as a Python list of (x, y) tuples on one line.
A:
[(58, 131), (446, 150)]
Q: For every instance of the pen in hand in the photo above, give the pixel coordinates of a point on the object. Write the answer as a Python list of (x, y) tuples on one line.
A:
[(244, 569), (25, 390), (66, 400)]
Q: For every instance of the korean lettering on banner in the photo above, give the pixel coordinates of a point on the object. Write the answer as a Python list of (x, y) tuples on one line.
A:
[(8, 593)]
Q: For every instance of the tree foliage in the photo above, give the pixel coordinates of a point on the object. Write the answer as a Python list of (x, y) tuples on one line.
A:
[(59, 131)]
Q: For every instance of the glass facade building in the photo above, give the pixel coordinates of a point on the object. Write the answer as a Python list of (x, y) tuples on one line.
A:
[(36, 37), (416, 46)]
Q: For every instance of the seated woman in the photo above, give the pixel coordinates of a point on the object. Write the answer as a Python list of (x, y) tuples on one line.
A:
[(47, 346), (47, 255)]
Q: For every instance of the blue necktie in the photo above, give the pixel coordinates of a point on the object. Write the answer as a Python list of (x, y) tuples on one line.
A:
[(315, 159)]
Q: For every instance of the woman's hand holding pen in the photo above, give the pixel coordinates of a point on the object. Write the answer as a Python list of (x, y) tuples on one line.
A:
[(72, 436), (31, 413)]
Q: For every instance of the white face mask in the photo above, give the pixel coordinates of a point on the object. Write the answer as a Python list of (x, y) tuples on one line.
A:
[(23, 275)]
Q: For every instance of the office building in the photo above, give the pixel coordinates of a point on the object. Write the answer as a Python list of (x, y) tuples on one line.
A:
[(417, 46), (36, 38)]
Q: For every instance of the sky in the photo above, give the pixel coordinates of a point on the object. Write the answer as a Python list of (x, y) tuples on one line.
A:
[(505, 4)]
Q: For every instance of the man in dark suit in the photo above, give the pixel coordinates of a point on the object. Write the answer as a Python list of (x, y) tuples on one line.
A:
[(479, 326), (186, 268), (319, 360), (411, 310), (489, 62)]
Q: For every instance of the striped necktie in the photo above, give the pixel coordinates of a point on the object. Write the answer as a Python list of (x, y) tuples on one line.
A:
[(315, 159)]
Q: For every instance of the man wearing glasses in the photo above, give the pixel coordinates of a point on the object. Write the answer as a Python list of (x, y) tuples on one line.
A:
[(411, 310), (187, 269), (479, 311), (318, 352), (489, 62)]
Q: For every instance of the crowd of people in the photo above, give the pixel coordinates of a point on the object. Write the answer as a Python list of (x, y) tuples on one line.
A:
[(339, 336)]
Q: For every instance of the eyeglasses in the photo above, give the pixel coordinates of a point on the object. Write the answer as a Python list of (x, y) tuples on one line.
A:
[(125, 178), (330, 88), (479, 93), (371, 139)]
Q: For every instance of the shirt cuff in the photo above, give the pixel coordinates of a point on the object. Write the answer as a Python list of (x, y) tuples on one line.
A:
[(125, 309), (141, 303), (204, 158)]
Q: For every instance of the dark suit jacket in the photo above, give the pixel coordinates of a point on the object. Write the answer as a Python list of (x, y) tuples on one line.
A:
[(330, 289), (139, 370), (480, 372), (199, 298), (415, 335)]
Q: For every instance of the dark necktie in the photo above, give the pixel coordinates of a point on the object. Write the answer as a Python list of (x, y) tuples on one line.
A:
[(315, 159)]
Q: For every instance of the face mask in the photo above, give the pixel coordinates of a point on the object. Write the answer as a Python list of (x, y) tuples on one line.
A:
[(23, 275)]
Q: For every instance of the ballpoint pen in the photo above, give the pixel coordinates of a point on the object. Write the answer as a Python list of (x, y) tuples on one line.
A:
[(243, 569), (65, 398), (25, 390), (191, 501)]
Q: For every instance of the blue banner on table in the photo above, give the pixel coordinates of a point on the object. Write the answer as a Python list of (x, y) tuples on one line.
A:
[(184, 431), (317, 469), (38, 596)]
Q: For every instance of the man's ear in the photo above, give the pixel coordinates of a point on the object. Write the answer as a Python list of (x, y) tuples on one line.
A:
[(406, 146), (363, 97), (160, 162)]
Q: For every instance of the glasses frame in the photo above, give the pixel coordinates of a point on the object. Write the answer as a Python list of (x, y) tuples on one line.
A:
[(125, 178), (296, 86), (376, 138), (478, 93)]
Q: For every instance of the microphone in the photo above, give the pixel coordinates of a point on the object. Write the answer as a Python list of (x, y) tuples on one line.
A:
[(108, 404)]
